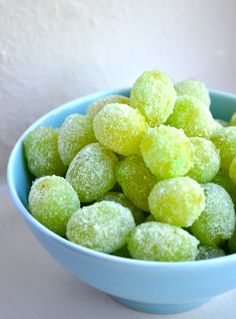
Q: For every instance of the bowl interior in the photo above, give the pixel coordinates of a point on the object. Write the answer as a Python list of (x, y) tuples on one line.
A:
[(19, 178)]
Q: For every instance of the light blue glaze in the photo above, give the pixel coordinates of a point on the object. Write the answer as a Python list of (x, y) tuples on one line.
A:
[(157, 287)]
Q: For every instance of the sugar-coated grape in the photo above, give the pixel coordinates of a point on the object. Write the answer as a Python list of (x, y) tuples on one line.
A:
[(96, 106), (225, 141), (208, 252), (154, 95), (167, 151), (41, 152), (194, 88), (75, 133), (135, 180), (206, 162), (217, 221), (103, 226), (192, 116), (222, 178), (178, 201), (92, 172), (120, 128), (232, 170), (139, 216), (162, 242), (52, 201)]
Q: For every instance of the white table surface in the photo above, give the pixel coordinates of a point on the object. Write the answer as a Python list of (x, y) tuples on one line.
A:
[(33, 285)]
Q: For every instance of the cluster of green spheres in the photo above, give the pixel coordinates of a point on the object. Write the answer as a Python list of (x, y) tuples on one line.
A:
[(151, 176)]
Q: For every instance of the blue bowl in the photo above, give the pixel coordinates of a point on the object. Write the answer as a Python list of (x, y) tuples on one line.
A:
[(156, 287)]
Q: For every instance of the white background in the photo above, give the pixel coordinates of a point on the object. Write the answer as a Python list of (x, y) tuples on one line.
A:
[(54, 51)]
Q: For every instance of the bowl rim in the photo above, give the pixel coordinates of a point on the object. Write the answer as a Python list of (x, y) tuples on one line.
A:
[(78, 248)]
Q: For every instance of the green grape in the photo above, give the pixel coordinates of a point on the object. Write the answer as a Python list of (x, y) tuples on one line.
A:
[(177, 201), (41, 152), (120, 128), (194, 88), (52, 201), (104, 226), (208, 252), (193, 117), (135, 180), (162, 242), (217, 221), (206, 162), (98, 105), (75, 133), (225, 141), (92, 172), (139, 216), (154, 95), (167, 152)]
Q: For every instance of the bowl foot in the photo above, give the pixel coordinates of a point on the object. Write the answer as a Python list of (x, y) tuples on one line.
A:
[(159, 308)]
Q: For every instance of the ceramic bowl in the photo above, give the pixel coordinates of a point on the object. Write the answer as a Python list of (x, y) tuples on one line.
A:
[(157, 287)]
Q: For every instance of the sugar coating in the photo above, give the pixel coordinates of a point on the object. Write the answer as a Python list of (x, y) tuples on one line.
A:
[(139, 216), (177, 201), (206, 162), (192, 116), (92, 172), (232, 170), (194, 88), (225, 141), (96, 106), (41, 152), (135, 180), (154, 95), (75, 133), (217, 221), (222, 178), (162, 242), (232, 121), (103, 226), (208, 252), (232, 243), (167, 152), (120, 128), (218, 127), (52, 201)]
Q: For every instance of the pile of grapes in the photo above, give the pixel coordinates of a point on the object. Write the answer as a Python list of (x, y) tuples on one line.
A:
[(150, 177)]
